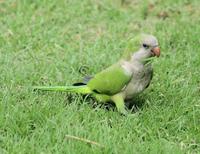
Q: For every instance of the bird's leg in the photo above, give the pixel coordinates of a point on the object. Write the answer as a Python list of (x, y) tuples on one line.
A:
[(119, 102), (101, 98)]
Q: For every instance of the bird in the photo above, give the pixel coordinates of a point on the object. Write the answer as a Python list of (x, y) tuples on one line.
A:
[(123, 80)]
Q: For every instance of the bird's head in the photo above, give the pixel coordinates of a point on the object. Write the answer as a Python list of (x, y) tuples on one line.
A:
[(144, 46), (149, 45)]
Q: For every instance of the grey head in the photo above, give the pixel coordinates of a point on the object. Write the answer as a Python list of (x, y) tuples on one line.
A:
[(149, 47)]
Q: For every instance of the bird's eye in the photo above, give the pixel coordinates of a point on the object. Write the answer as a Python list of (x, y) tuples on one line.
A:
[(145, 46)]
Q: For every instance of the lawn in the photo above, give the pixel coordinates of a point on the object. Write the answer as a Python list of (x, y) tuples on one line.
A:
[(47, 42)]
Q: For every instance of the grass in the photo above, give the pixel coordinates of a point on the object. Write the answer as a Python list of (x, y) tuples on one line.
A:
[(46, 42)]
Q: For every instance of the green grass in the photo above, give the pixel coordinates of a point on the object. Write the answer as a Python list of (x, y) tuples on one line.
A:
[(46, 42)]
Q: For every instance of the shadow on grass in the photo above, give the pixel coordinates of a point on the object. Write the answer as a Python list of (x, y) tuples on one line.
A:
[(133, 105), (136, 103)]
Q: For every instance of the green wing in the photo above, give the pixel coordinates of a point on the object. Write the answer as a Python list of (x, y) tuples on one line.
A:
[(110, 81)]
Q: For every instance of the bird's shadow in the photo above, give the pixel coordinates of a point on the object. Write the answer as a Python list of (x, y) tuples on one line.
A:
[(133, 105)]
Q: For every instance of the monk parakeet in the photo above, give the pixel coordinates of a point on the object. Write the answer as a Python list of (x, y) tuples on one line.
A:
[(123, 80)]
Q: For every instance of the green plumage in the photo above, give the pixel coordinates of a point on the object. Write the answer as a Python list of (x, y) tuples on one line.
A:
[(110, 81)]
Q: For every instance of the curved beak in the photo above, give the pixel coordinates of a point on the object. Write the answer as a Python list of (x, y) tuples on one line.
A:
[(156, 51)]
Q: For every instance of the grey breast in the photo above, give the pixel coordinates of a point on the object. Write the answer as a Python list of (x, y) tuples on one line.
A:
[(141, 78)]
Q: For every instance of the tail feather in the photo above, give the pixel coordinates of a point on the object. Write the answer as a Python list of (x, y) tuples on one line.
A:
[(84, 89)]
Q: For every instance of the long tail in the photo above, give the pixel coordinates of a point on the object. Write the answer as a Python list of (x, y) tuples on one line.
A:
[(84, 89)]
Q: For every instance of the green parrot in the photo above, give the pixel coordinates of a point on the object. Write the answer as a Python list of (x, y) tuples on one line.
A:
[(123, 80)]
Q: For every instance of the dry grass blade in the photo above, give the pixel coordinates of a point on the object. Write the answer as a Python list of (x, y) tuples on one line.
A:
[(84, 140)]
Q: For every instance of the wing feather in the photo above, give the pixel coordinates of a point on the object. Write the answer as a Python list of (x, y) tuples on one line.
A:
[(110, 81)]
